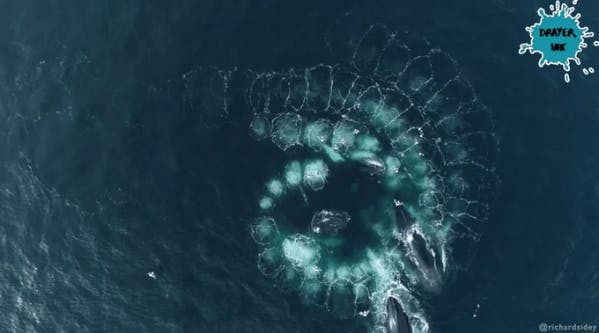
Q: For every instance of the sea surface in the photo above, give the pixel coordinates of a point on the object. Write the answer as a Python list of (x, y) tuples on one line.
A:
[(123, 206)]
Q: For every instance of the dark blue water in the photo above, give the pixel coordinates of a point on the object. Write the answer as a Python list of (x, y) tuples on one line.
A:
[(107, 174)]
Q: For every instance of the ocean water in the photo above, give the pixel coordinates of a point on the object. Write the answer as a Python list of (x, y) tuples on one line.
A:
[(110, 174)]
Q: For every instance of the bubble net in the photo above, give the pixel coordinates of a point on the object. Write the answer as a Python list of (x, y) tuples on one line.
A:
[(389, 171)]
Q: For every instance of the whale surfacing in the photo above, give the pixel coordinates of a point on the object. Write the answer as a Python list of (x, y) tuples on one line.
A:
[(397, 320), (428, 262)]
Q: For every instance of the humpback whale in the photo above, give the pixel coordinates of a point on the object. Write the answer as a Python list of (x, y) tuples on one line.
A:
[(329, 221), (426, 260), (422, 254), (402, 216), (397, 320), (373, 165)]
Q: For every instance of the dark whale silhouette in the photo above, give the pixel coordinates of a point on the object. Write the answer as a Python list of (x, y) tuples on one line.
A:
[(397, 320)]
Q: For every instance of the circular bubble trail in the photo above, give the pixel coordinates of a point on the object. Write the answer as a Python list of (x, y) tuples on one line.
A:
[(389, 169)]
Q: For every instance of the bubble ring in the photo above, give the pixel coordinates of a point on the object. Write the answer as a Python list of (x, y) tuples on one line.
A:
[(410, 127)]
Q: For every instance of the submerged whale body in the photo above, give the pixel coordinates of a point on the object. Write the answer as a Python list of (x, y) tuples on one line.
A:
[(373, 166), (422, 254), (329, 221), (397, 320), (402, 216), (427, 261)]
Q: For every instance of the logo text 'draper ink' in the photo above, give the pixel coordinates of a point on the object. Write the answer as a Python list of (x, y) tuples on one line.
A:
[(558, 37)]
